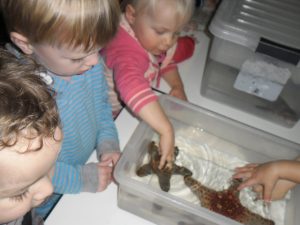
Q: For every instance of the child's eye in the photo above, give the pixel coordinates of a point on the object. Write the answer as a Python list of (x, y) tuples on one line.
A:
[(160, 32), (19, 197), (77, 60)]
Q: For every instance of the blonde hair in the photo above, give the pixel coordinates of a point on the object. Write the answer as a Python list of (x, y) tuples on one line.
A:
[(73, 23), (183, 8), (26, 101)]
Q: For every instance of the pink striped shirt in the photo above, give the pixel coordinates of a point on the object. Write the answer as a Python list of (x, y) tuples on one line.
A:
[(134, 70)]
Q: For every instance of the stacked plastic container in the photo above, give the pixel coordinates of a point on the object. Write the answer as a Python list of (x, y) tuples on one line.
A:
[(240, 25), (252, 72)]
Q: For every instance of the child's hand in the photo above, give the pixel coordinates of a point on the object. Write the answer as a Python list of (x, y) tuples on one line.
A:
[(281, 189), (261, 177), (265, 175), (178, 92), (265, 179), (113, 156), (153, 114), (104, 174), (166, 146)]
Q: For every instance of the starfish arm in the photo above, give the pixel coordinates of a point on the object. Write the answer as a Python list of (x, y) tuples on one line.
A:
[(251, 218), (219, 201), (144, 170), (164, 181), (182, 171)]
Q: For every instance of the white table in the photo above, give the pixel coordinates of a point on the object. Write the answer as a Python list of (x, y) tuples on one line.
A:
[(101, 208)]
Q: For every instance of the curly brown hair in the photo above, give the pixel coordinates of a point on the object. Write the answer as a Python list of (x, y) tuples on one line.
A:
[(26, 101)]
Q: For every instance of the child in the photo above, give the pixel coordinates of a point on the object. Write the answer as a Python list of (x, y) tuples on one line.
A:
[(30, 138), (65, 37), (272, 180), (145, 48)]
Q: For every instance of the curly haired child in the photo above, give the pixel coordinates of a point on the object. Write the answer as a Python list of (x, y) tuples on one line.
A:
[(30, 139)]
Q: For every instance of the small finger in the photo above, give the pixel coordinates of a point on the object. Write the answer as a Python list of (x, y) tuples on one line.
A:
[(267, 193), (243, 175), (247, 183), (107, 162), (252, 165), (257, 188), (249, 166), (105, 181), (242, 170), (162, 162)]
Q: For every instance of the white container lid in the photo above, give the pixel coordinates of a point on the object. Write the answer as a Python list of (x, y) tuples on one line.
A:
[(244, 22)]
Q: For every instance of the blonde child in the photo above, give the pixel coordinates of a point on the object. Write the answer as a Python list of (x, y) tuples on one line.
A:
[(146, 47), (271, 180), (30, 139), (65, 37)]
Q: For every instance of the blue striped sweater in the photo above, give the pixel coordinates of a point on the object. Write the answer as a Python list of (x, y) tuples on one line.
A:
[(87, 125)]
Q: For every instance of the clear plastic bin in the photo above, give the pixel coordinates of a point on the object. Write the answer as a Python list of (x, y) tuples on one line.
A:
[(209, 140)]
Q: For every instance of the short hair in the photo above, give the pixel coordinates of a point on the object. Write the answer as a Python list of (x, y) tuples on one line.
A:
[(184, 8), (86, 23), (26, 101)]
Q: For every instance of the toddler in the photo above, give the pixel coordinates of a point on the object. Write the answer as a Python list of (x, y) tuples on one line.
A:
[(146, 47), (65, 37), (30, 139), (272, 180)]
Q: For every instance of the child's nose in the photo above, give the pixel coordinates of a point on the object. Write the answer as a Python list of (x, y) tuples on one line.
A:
[(168, 41), (92, 59), (44, 189)]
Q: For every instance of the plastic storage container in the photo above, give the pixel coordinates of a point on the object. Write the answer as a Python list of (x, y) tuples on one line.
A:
[(242, 27), (219, 135), (253, 70)]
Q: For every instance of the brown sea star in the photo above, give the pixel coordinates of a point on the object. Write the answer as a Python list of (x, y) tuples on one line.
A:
[(225, 202), (164, 174)]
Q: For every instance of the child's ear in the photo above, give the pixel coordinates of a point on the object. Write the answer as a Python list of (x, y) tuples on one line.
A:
[(22, 42), (130, 14)]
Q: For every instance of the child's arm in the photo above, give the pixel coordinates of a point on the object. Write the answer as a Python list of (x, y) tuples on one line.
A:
[(91, 177), (108, 150), (153, 114), (72, 179), (181, 51), (107, 136), (129, 62), (172, 77), (276, 177)]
